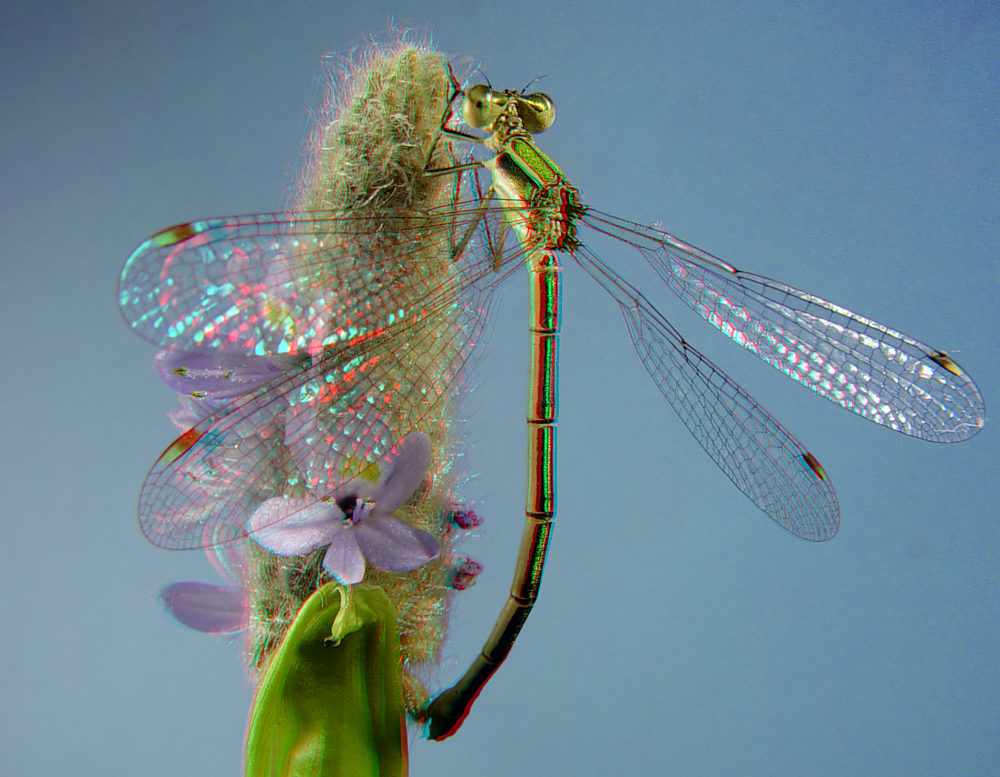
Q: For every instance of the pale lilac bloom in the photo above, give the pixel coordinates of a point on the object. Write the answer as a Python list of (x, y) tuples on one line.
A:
[(219, 376), (354, 520), (213, 609), (206, 384)]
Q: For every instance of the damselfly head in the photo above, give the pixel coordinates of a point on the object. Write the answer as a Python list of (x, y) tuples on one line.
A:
[(537, 111), (483, 106)]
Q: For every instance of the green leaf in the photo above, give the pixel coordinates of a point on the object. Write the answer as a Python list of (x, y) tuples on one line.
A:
[(330, 703)]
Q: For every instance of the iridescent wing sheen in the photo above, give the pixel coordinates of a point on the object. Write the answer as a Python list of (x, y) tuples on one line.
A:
[(216, 287), (855, 362), (309, 430), (756, 453), (284, 283)]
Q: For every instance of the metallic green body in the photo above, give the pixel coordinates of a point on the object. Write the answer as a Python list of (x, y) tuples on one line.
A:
[(532, 160), (541, 206)]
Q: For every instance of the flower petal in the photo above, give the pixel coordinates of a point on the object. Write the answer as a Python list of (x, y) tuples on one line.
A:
[(214, 609), (290, 526), (392, 544), (407, 473), (219, 376), (344, 559), (360, 487)]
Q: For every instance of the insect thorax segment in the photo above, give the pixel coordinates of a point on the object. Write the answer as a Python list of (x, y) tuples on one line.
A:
[(543, 205)]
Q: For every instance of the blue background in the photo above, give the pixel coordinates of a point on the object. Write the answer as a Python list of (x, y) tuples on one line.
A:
[(847, 148)]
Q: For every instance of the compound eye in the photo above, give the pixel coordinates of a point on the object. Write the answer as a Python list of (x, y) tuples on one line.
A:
[(537, 112), (478, 107)]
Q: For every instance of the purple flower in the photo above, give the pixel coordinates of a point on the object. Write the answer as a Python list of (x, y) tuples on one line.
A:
[(213, 609), (355, 520), (220, 376), (208, 383)]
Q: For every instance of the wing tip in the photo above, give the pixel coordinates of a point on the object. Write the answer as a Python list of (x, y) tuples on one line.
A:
[(174, 235)]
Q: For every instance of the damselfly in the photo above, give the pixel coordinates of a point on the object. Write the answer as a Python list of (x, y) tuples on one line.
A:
[(318, 299)]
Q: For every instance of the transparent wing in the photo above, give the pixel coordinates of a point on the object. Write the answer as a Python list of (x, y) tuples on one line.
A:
[(756, 452), (859, 364), (311, 430), (285, 283)]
